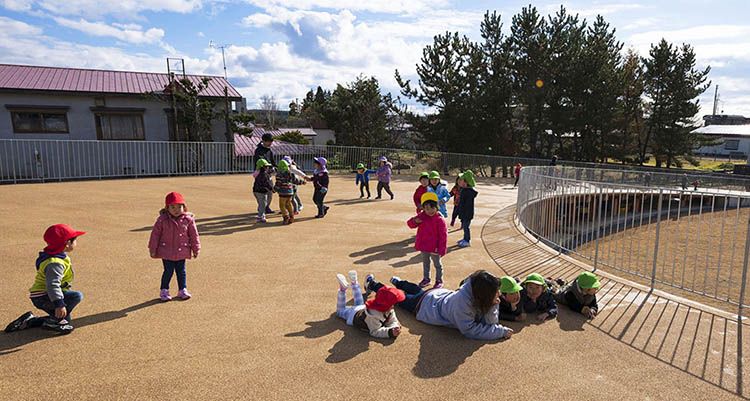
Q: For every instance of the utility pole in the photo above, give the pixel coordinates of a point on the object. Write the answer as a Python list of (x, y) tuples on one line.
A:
[(716, 99)]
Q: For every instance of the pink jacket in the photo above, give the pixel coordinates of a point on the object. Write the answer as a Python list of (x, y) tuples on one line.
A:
[(432, 233), (174, 238)]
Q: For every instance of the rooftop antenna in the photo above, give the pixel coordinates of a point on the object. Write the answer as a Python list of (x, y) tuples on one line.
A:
[(213, 45), (227, 124)]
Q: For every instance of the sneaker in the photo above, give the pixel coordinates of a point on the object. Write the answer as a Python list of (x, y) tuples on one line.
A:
[(301, 207), (343, 284), (319, 216), (269, 211), (291, 220), (361, 196), (464, 244), (20, 323), (325, 210), (438, 284), (61, 326), (184, 294), (286, 220), (391, 197), (424, 283), (164, 295), (353, 277), (377, 197), (395, 279), (296, 213), (369, 279)]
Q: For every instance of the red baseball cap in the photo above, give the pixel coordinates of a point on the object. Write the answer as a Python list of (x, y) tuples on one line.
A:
[(174, 198), (385, 298), (57, 237)]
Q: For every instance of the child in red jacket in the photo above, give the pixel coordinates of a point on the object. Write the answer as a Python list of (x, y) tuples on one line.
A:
[(424, 181), (174, 238), (432, 238)]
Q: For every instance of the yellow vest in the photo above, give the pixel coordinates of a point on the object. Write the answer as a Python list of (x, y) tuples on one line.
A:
[(40, 281)]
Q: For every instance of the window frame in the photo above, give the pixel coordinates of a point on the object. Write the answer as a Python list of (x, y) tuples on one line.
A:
[(734, 141), (42, 111), (100, 112)]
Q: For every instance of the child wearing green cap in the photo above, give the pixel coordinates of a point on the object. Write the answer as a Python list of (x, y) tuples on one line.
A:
[(263, 188), (536, 297), (466, 205), (438, 187), (363, 180), (510, 300), (424, 181), (286, 186), (580, 295)]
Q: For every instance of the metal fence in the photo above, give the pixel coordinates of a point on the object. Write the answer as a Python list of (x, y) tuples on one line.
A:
[(696, 240)]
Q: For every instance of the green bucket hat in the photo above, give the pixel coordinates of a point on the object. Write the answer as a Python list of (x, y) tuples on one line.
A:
[(360, 166), (535, 278), (261, 163), (283, 166), (434, 174), (424, 174), (509, 285), (588, 280), (468, 176)]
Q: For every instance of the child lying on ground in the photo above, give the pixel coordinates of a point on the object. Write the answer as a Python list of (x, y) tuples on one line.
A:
[(580, 295), (375, 316)]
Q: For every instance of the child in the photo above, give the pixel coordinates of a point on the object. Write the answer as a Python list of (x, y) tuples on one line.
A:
[(296, 201), (472, 309), (286, 186), (320, 182), (432, 239), (456, 194), (51, 290), (438, 187), (580, 295), (517, 173), (363, 180), (510, 300), (536, 297), (375, 316), (466, 205), (174, 238), (384, 172), (263, 188), (424, 181)]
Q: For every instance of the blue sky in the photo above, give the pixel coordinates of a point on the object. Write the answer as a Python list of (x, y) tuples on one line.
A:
[(284, 48)]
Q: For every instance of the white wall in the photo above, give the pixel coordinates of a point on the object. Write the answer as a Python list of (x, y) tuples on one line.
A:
[(744, 147)]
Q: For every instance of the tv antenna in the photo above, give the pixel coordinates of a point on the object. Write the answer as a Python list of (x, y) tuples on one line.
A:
[(214, 45)]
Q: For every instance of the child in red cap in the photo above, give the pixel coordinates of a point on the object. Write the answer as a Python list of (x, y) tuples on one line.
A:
[(51, 290), (375, 316), (174, 238)]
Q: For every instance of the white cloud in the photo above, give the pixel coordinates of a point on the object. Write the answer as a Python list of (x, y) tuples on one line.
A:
[(97, 8), (591, 10), (700, 33), (13, 28), (374, 6), (17, 5), (130, 33)]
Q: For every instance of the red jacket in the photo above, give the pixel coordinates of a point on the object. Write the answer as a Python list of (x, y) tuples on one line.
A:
[(173, 238), (432, 233), (418, 197)]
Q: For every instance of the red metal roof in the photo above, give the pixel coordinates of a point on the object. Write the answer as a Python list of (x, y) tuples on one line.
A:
[(26, 77), (245, 146)]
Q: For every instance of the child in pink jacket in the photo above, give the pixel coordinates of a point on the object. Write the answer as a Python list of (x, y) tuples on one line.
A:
[(432, 238), (174, 238)]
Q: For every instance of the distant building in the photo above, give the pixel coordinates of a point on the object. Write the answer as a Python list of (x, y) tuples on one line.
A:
[(314, 136), (732, 134), (80, 104)]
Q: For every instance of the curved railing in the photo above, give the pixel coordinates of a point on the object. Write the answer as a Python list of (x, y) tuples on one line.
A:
[(654, 227)]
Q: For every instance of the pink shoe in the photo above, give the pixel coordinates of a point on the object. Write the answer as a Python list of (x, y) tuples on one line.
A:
[(424, 283), (164, 295), (438, 284), (184, 294)]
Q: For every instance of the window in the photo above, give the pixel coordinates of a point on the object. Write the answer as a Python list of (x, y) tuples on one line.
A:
[(731, 144), (119, 124), (27, 120)]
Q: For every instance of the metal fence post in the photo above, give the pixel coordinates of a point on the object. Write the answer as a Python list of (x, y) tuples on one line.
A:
[(740, 308), (598, 228), (656, 241)]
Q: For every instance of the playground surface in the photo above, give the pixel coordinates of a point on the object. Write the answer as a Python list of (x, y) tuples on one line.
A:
[(261, 324)]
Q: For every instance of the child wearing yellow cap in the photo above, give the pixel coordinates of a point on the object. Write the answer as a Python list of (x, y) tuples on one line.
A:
[(580, 294)]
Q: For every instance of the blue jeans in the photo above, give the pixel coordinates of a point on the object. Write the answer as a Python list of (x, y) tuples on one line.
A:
[(413, 292), (467, 231), (71, 298), (170, 267)]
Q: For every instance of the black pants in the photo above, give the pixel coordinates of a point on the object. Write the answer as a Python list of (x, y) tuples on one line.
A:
[(413, 292), (516, 183), (318, 198), (362, 186), (386, 186)]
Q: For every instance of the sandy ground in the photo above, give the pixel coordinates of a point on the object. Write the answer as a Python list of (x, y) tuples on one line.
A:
[(261, 323)]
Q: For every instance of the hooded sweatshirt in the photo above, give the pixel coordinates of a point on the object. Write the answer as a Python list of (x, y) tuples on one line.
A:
[(432, 233), (443, 307), (384, 172)]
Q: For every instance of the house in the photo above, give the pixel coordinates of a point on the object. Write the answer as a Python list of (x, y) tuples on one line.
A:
[(244, 146), (732, 134), (314, 136), (81, 104)]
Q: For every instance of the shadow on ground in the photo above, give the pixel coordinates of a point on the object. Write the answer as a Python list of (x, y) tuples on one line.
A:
[(234, 223)]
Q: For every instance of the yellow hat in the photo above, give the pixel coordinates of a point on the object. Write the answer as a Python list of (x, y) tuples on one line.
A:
[(429, 196)]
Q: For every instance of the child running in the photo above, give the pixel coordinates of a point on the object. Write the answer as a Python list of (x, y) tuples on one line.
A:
[(174, 239), (263, 188), (320, 181), (51, 291), (456, 194), (437, 187), (384, 172), (375, 316), (286, 186), (432, 239), (466, 205), (424, 181), (296, 201), (363, 180)]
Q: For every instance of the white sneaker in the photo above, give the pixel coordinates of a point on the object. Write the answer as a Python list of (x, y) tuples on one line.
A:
[(353, 277), (343, 285)]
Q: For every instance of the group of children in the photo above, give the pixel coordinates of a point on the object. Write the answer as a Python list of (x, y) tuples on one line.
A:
[(475, 309)]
